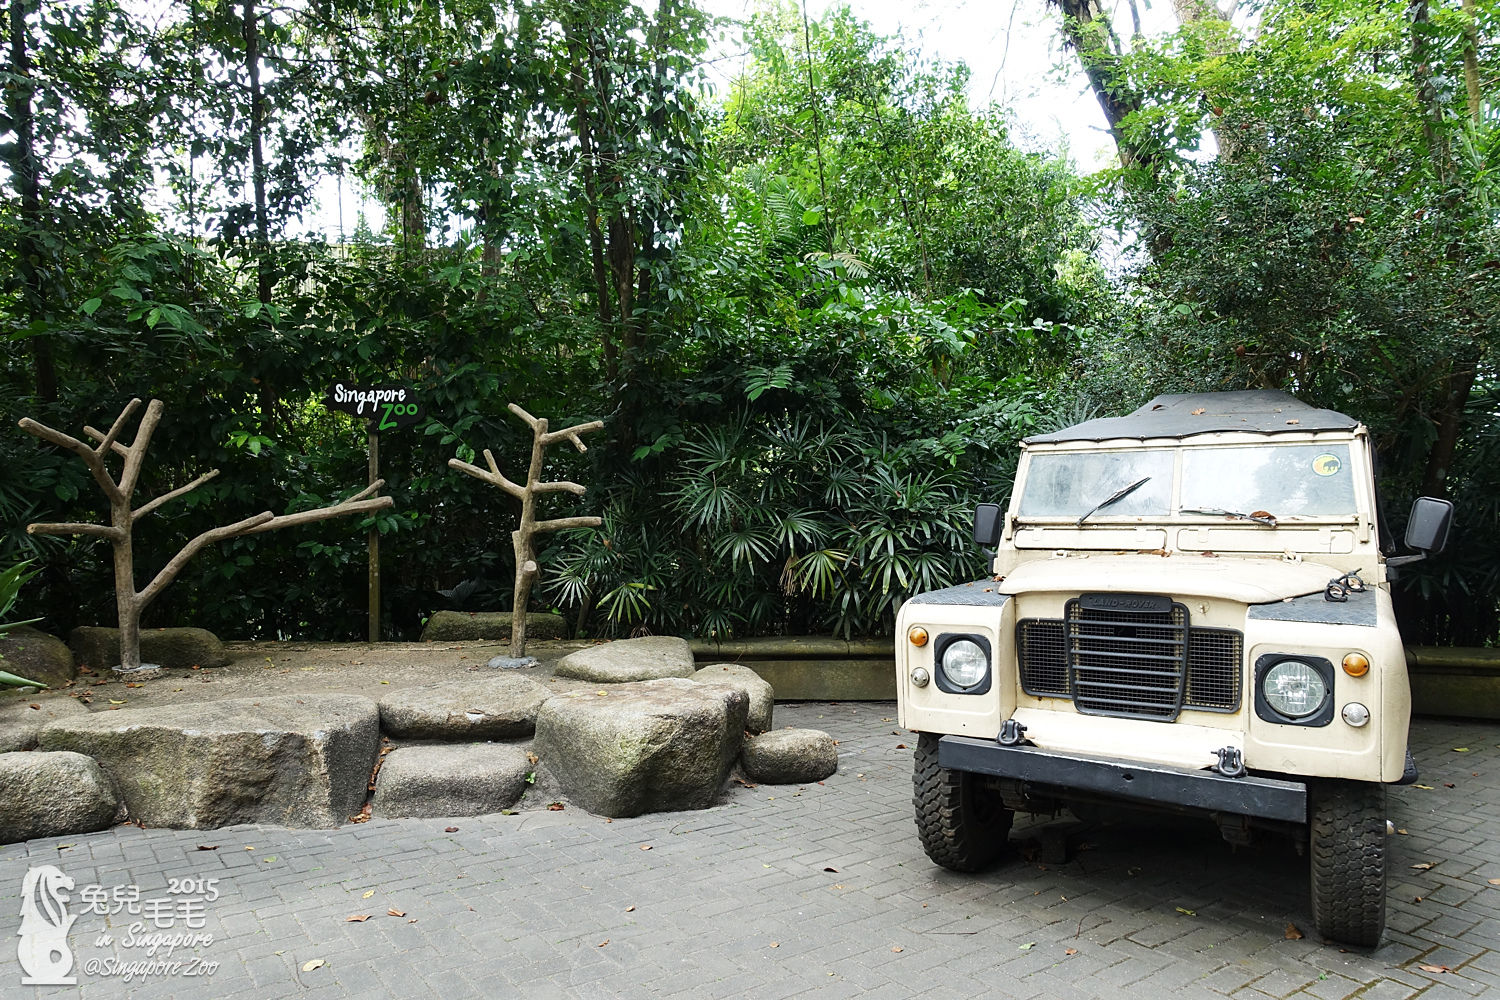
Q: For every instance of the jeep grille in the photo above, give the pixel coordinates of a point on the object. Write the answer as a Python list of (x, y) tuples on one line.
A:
[(1130, 664)]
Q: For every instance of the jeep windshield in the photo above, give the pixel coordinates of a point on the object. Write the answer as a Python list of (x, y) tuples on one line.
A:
[(1255, 484)]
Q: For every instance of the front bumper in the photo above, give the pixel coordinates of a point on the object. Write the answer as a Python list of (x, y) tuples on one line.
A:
[(1267, 798)]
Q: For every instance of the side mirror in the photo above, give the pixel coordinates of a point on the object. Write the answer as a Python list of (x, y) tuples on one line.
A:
[(987, 519), (1427, 528)]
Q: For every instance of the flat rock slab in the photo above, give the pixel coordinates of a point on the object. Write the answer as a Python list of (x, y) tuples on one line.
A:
[(99, 647), (20, 723), (53, 795), (294, 760), (37, 656), (465, 709), (461, 626), (757, 689), (626, 660), (651, 746), (790, 756), (428, 781)]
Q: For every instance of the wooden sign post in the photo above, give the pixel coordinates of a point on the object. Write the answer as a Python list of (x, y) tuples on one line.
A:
[(386, 407)]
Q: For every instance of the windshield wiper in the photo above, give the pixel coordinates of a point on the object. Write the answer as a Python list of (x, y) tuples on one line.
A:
[(1259, 517), (1112, 498)]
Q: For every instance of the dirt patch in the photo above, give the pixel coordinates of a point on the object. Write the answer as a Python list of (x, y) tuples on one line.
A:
[(265, 668)]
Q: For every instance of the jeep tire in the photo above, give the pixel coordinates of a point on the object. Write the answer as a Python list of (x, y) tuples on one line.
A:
[(1347, 830), (962, 824)]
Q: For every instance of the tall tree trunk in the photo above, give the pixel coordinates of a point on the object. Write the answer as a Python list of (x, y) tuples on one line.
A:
[(578, 79), (1088, 30), (25, 173), (265, 278)]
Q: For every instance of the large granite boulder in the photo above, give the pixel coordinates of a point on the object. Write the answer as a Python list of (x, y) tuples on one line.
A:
[(435, 780), (294, 760), (471, 708), (19, 722), (629, 660), (651, 746), (790, 756), (53, 795), (99, 647), (467, 626), (757, 689), (37, 656)]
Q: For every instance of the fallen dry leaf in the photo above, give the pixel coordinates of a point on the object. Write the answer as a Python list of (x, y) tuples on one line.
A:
[(630, 909), (1292, 933), (35, 706), (603, 943), (645, 847), (1449, 784), (834, 870), (556, 807), (1495, 881), (1027, 946), (1198, 412), (316, 963), (1460, 749), (393, 912), (896, 947), (1071, 951), (368, 894), (1434, 968), (208, 847), (363, 816), (775, 944), (1425, 866), (1293, 422), (1428, 787), (450, 829), (1183, 909), (356, 918), (745, 784), (900, 746)]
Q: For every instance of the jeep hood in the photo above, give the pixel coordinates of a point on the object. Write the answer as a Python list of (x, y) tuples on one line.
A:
[(1249, 581)]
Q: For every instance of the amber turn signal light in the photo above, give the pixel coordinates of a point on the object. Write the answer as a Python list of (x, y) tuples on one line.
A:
[(918, 636), (1356, 665)]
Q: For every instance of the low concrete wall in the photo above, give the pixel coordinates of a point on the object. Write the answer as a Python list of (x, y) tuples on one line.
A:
[(812, 667), (1454, 681)]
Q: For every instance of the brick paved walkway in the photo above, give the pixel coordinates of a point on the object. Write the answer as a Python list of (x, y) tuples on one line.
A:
[(740, 900)]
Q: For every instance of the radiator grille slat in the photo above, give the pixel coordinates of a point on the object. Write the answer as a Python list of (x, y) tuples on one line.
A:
[(1147, 665)]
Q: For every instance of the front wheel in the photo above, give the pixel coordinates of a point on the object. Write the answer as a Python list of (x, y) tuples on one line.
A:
[(962, 824), (1348, 834)]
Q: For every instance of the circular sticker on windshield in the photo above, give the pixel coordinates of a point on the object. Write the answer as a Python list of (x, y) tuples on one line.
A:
[(1326, 465)]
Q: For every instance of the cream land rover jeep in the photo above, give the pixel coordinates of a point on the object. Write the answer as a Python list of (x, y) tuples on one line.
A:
[(1189, 608)]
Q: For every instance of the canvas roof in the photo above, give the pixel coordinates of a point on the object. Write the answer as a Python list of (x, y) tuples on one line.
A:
[(1183, 415)]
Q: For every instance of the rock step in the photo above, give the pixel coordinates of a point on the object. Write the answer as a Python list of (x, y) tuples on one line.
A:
[(53, 795), (464, 709), (626, 660), (444, 780), (294, 760), (649, 746), (756, 688), (790, 757)]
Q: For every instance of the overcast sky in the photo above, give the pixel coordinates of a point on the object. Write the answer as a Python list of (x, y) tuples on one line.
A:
[(1013, 47)]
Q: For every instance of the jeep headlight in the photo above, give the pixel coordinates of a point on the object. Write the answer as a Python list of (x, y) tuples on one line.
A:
[(965, 664), (1294, 688)]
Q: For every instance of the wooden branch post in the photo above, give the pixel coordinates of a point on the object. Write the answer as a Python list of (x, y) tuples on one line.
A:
[(523, 538), (129, 603)]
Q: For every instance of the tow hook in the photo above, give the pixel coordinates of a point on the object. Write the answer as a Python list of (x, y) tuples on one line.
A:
[(1012, 734), (1231, 762)]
